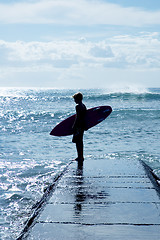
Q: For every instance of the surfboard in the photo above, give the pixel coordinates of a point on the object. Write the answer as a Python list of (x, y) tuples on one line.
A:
[(93, 117)]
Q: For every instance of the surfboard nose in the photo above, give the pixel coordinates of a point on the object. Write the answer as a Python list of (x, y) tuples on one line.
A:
[(109, 109)]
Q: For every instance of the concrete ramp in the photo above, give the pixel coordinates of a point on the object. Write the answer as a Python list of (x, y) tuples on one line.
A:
[(108, 199)]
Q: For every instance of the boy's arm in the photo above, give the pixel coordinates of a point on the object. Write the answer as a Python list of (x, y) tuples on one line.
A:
[(78, 119), (75, 122)]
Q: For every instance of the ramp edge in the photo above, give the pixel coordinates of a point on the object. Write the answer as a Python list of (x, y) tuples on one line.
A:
[(38, 207)]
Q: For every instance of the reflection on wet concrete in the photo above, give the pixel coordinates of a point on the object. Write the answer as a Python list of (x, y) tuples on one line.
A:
[(79, 194), (86, 191)]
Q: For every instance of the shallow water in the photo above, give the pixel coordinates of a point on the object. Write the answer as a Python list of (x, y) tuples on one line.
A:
[(30, 158)]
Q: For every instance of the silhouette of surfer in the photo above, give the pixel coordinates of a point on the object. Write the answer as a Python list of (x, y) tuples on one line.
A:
[(79, 126)]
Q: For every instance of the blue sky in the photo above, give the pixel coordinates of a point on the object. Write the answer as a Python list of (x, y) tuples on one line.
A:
[(143, 4), (80, 44)]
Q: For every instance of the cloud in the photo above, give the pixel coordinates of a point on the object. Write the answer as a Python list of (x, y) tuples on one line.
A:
[(71, 12), (57, 53), (124, 51), (138, 51), (100, 52)]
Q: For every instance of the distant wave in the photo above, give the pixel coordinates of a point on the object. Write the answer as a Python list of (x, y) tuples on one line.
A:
[(125, 96), (55, 95)]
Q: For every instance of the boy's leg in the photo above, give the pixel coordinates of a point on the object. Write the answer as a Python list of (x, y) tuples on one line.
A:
[(80, 159), (79, 146)]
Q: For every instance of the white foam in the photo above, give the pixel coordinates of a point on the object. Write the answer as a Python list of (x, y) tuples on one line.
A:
[(127, 89)]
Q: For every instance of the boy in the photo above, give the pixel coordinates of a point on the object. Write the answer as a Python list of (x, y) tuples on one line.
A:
[(79, 126)]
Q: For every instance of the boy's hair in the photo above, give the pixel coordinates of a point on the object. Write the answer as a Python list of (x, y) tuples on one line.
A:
[(78, 96)]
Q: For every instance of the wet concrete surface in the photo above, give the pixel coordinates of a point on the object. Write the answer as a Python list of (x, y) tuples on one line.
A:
[(106, 199)]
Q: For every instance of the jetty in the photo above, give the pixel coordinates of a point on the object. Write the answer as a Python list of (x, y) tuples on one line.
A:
[(106, 199)]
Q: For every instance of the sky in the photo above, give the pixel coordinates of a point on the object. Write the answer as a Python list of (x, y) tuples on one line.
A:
[(80, 44)]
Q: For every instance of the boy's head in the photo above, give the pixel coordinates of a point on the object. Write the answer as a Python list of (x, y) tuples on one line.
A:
[(78, 97)]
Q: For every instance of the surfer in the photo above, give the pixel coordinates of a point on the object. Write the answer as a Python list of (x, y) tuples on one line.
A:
[(79, 126)]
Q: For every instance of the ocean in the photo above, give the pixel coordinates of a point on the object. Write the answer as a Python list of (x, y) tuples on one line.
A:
[(30, 158)]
